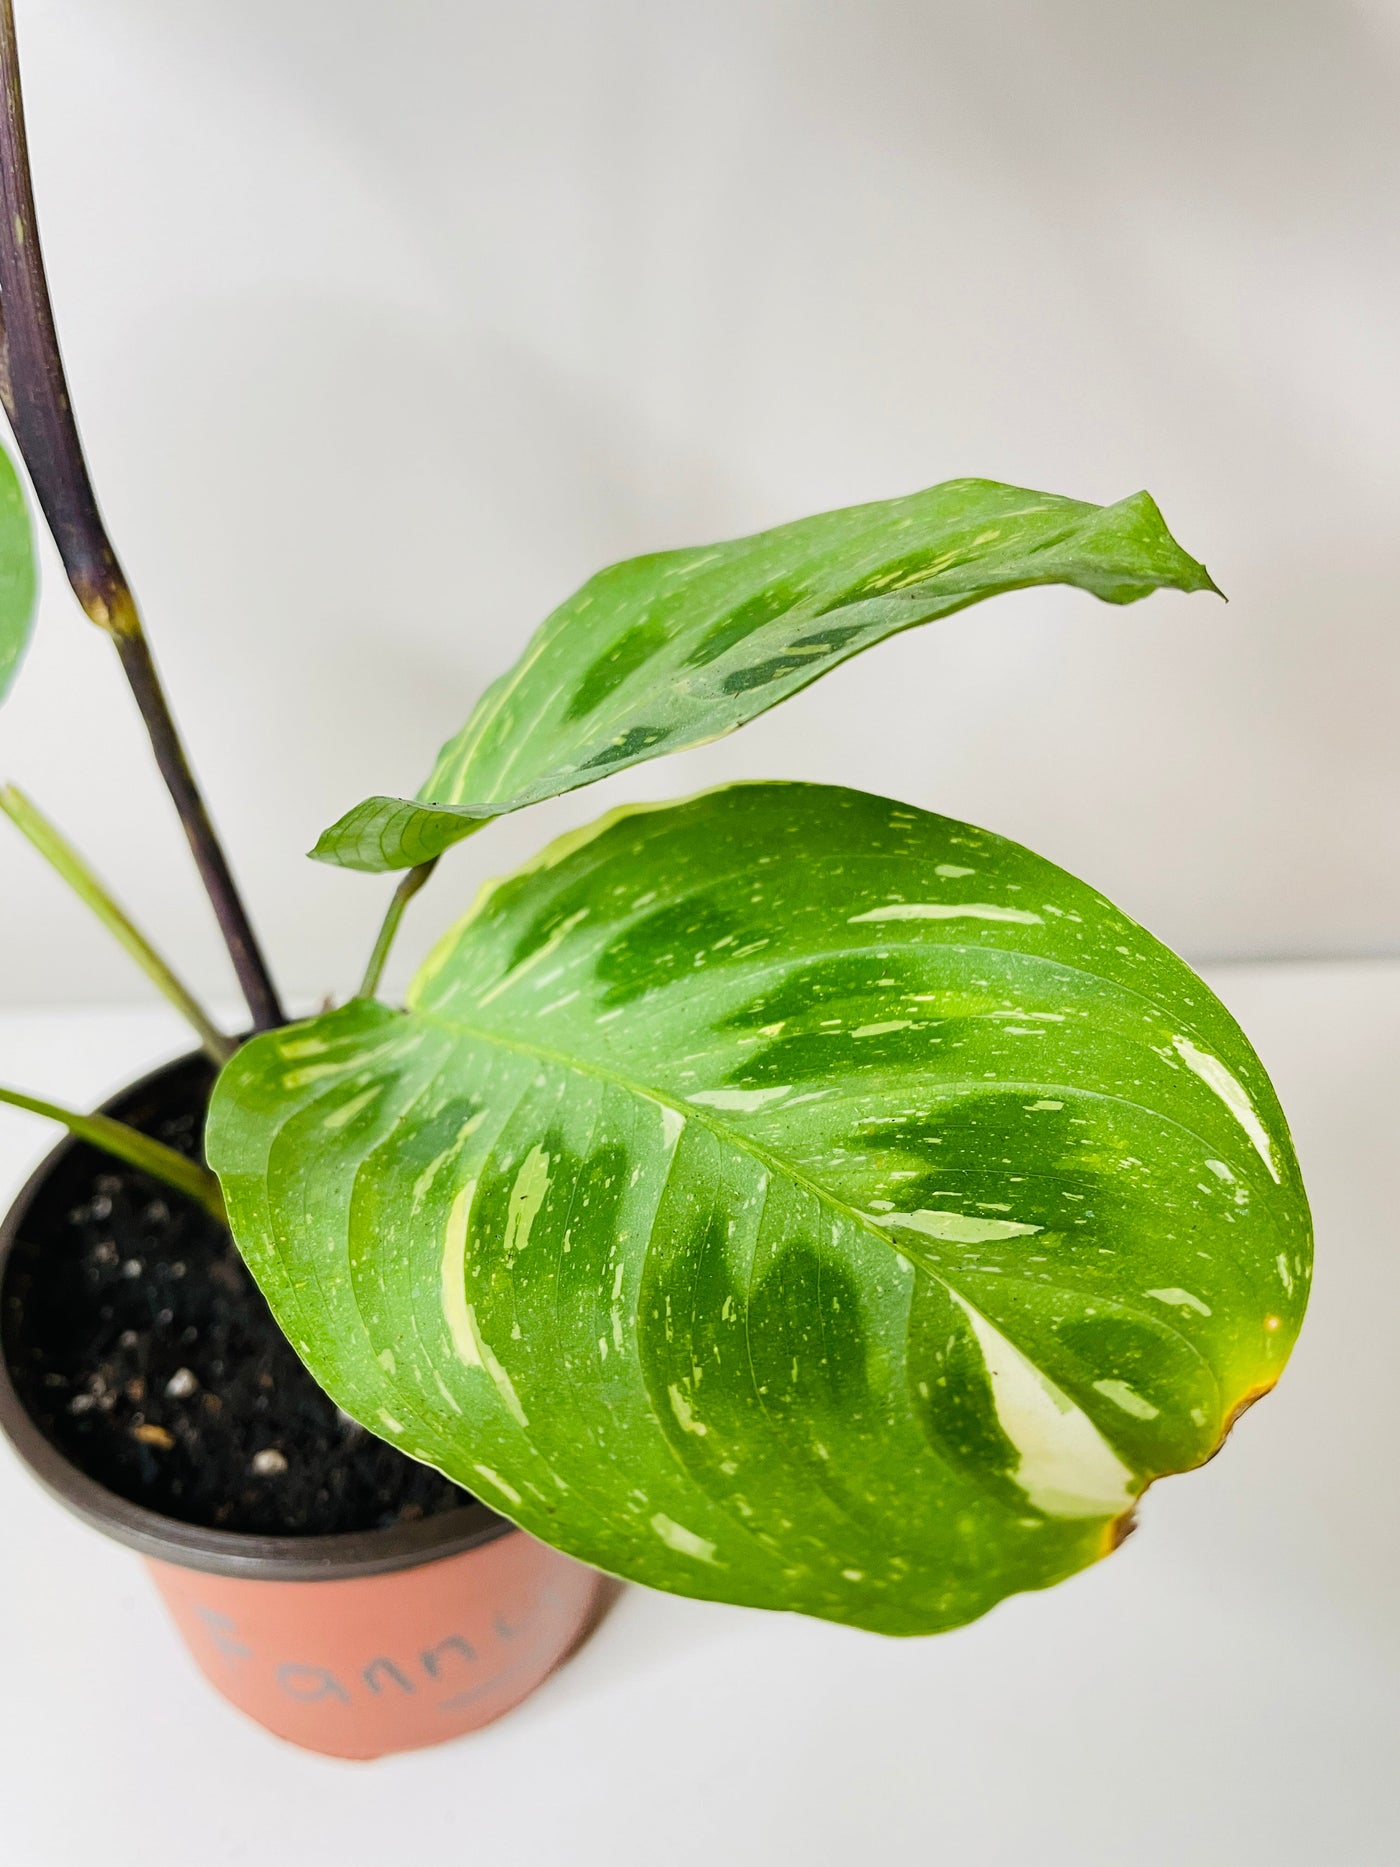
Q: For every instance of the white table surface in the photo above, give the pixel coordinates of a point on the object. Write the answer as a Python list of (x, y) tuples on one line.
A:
[(1223, 1692)]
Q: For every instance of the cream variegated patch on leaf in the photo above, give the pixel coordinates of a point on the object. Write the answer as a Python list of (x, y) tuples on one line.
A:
[(786, 1197), (667, 651)]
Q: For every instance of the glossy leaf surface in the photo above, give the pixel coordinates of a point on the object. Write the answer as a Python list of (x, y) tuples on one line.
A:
[(788, 1197), (667, 651), (18, 577)]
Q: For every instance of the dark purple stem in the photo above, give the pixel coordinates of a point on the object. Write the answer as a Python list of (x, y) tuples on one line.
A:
[(34, 393)]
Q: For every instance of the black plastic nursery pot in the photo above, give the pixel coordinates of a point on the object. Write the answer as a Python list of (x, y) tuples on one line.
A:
[(426, 1618)]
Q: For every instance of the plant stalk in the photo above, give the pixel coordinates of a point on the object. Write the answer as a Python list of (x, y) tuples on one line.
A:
[(403, 894), (136, 1149), (61, 856), (34, 393)]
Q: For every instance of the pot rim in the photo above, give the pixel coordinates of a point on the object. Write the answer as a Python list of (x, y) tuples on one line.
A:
[(192, 1546)]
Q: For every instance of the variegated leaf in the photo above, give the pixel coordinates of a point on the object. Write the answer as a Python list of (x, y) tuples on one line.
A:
[(18, 578), (667, 651), (787, 1197)]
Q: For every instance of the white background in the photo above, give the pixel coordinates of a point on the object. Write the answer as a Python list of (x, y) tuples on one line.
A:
[(389, 323)]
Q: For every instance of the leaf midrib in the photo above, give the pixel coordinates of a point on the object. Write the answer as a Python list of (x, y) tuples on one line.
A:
[(1191, 1027), (745, 1143), (766, 1157)]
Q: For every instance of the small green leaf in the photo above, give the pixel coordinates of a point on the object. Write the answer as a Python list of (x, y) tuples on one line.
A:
[(667, 651), (18, 577), (129, 1144), (65, 860), (786, 1197)]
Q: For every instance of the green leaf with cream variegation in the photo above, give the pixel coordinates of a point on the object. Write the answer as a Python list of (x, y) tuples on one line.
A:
[(786, 1197), (18, 577), (667, 651)]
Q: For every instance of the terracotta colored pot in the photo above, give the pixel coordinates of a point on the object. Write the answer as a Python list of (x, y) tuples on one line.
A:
[(379, 1663), (356, 1645)]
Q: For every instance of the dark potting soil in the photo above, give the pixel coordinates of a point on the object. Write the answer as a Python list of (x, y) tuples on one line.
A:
[(141, 1347)]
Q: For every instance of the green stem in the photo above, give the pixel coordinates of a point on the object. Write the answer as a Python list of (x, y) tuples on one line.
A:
[(61, 856), (403, 894), (135, 1148)]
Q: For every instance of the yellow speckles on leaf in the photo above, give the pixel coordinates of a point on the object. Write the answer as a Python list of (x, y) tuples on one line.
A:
[(453, 1285), (532, 960), (396, 1045), (508, 1492), (880, 1030), (386, 1361), (557, 1004), (423, 1185), (1128, 1399), (685, 1542), (526, 1198), (1176, 1298), (387, 1419), (951, 871), (691, 565), (946, 911), (504, 1386), (958, 1228), (931, 568), (619, 1277), (346, 1113), (1224, 1084), (316, 1072), (741, 1100), (685, 1414)]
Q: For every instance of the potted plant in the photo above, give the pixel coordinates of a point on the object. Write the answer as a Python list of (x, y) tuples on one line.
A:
[(783, 1196)]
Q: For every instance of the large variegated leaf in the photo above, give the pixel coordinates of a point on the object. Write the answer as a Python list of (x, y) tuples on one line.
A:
[(787, 1197), (667, 651), (18, 580)]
